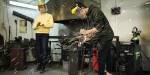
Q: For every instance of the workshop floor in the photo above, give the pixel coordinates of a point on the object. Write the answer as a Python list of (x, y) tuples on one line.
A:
[(53, 70), (32, 72)]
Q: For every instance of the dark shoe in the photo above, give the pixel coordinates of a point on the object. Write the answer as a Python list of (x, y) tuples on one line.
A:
[(42, 70), (38, 68)]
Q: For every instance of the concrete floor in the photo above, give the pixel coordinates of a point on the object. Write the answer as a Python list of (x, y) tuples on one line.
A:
[(31, 71), (51, 71)]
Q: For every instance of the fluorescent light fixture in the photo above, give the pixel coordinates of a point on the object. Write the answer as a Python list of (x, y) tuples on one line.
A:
[(147, 3), (23, 5)]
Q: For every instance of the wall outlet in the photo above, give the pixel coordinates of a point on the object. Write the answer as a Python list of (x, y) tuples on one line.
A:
[(116, 10)]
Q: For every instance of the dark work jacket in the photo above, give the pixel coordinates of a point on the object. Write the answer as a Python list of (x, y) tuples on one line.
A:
[(96, 18)]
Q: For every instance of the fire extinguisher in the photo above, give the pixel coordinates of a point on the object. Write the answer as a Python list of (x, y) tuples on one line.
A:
[(95, 62)]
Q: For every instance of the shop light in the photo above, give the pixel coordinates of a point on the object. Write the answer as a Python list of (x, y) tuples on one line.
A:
[(23, 5), (147, 3)]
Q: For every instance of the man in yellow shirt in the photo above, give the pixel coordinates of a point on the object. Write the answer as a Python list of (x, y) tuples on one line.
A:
[(42, 24)]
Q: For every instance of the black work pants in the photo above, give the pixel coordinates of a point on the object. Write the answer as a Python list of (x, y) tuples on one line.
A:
[(42, 49)]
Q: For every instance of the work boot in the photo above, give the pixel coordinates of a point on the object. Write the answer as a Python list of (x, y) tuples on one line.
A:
[(42, 70), (38, 68)]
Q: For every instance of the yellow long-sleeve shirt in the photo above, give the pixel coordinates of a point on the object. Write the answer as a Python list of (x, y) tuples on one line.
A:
[(44, 19)]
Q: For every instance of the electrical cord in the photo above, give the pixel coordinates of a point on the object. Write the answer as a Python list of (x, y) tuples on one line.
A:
[(145, 56), (145, 53), (3, 17), (5, 2)]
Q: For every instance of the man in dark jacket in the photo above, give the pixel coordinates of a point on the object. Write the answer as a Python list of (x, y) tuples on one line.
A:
[(97, 23)]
